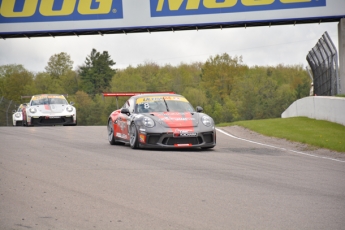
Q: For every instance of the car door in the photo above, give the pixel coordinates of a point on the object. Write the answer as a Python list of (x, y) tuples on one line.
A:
[(122, 127)]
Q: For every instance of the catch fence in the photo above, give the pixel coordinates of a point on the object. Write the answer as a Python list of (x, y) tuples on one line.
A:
[(6, 111), (323, 61)]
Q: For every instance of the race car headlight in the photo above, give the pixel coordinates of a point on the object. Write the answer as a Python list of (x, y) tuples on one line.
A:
[(32, 110), (148, 122), (17, 115), (206, 120), (69, 108)]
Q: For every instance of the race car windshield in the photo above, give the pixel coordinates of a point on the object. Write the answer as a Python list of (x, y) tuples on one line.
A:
[(164, 106), (49, 101)]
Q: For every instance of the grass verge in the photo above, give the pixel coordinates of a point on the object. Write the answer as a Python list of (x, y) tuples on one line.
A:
[(319, 133)]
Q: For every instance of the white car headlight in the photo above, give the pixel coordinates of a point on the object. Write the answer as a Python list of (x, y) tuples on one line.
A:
[(148, 122), (206, 120), (69, 108), (17, 115), (32, 110)]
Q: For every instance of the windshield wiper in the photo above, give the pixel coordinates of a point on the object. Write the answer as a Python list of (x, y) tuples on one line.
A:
[(166, 105)]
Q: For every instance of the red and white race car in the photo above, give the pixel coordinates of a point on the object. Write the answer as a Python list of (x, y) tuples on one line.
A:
[(160, 120), (49, 109), (17, 117)]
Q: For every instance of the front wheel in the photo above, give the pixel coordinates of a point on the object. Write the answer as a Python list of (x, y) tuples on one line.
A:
[(133, 141), (111, 137)]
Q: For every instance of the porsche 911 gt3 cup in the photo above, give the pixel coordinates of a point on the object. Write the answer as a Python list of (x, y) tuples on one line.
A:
[(49, 109), (17, 116), (161, 121)]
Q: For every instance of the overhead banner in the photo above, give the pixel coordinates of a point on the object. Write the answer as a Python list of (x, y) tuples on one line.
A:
[(61, 17), (161, 8)]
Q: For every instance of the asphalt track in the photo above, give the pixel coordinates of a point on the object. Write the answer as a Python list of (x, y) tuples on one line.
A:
[(71, 178)]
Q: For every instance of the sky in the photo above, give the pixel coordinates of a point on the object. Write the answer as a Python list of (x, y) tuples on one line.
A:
[(262, 46)]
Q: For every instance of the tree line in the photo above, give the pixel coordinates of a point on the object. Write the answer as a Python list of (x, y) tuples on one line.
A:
[(224, 86)]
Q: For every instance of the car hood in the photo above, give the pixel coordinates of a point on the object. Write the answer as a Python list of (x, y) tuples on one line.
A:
[(177, 119), (48, 109)]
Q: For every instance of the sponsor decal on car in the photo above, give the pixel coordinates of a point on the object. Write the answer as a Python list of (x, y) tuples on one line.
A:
[(178, 118), (142, 138), (184, 133), (52, 117), (182, 145), (143, 100), (121, 135), (38, 97)]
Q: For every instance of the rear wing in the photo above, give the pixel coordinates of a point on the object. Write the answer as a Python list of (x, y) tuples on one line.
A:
[(129, 94), (21, 97)]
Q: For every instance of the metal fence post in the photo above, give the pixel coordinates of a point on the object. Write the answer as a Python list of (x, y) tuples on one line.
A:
[(8, 107)]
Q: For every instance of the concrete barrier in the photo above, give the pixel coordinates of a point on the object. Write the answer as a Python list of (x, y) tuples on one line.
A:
[(319, 108)]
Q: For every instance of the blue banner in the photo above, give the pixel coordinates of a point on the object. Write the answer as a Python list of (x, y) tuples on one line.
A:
[(163, 8)]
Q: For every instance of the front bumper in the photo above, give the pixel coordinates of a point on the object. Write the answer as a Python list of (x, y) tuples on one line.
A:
[(53, 120), (169, 140)]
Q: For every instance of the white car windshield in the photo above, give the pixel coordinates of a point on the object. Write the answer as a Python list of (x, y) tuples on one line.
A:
[(164, 106), (49, 101)]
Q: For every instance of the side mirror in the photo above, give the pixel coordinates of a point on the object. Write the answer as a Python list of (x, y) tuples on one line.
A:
[(14, 111), (125, 111), (71, 103), (199, 109)]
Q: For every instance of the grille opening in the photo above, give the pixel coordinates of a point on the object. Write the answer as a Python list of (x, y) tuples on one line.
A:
[(153, 139), (208, 137), (43, 121)]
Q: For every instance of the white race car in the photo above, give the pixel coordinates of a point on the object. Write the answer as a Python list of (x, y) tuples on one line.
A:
[(49, 109), (17, 116)]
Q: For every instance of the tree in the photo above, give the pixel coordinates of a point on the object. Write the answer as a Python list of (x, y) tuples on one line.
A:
[(14, 81), (219, 75), (59, 65), (84, 105), (97, 73), (185, 76), (45, 83), (128, 80)]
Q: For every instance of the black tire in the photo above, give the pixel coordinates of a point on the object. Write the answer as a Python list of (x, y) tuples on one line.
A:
[(133, 137), (111, 137)]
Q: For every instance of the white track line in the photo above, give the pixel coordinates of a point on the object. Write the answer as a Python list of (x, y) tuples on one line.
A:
[(258, 143)]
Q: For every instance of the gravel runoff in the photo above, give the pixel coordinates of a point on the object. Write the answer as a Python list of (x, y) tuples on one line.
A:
[(248, 134)]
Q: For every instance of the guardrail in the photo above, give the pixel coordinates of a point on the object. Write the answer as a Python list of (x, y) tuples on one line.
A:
[(318, 107)]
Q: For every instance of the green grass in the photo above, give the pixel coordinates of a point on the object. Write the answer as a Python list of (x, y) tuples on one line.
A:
[(318, 133)]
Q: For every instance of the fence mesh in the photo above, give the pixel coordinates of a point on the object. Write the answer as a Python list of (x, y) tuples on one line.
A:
[(6, 111), (323, 61)]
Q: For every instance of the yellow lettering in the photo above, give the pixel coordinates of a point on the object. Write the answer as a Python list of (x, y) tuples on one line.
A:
[(176, 4), (193, 4), (46, 8), (215, 4), (7, 8), (294, 1), (257, 2), (84, 7)]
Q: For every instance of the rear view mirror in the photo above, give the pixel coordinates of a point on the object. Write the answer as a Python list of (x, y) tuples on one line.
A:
[(199, 109), (125, 111)]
